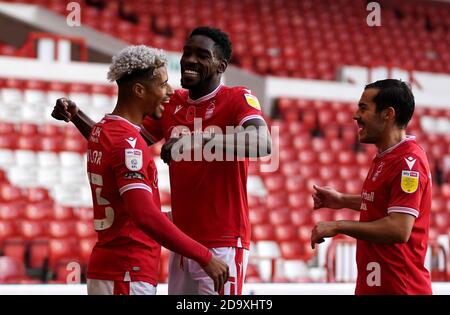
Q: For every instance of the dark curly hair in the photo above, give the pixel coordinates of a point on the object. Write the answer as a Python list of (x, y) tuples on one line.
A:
[(220, 38)]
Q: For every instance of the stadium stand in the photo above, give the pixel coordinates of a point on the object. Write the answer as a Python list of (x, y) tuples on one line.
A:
[(45, 214)]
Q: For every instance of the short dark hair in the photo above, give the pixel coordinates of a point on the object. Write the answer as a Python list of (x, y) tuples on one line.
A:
[(396, 94), (220, 38)]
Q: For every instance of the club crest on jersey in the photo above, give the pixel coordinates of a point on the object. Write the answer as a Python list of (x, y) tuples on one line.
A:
[(133, 159), (410, 181), (210, 110), (190, 114), (252, 101)]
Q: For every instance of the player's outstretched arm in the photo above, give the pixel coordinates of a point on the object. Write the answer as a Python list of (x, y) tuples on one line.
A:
[(327, 197), (154, 223), (67, 110), (391, 229)]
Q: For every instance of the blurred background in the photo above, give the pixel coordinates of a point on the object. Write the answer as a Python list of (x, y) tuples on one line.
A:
[(307, 61)]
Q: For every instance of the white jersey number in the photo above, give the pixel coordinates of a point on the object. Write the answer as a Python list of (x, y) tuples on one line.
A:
[(101, 224)]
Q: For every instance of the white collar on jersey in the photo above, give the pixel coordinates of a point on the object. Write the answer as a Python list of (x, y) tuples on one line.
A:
[(407, 138), (206, 97), (115, 117)]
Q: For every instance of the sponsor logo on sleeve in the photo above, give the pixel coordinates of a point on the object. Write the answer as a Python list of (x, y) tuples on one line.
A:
[(134, 175), (252, 101), (133, 159), (410, 181)]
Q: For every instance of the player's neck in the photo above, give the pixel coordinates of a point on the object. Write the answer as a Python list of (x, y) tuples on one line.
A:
[(390, 139), (126, 111), (201, 91)]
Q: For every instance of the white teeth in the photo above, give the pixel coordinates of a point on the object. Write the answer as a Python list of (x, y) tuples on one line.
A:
[(190, 72)]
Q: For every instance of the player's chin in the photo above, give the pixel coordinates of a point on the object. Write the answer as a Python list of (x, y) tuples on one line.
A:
[(158, 112), (189, 82)]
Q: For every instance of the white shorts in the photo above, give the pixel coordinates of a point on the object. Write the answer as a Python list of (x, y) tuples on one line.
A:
[(186, 277), (111, 287)]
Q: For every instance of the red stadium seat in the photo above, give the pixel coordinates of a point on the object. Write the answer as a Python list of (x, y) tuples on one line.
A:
[(15, 248), (263, 232), (30, 229), (259, 215), (39, 252), (286, 232), (11, 210), (279, 216), (85, 248), (9, 192), (38, 211), (59, 212), (61, 229), (85, 229), (7, 230), (62, 249), (11, 268)]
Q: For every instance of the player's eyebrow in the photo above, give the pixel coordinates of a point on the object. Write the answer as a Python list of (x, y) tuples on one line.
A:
[(361, 104)]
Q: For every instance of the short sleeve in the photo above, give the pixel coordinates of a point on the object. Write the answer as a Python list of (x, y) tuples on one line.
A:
[(129, 163), (247, 107), (151, 129), (408, 186)]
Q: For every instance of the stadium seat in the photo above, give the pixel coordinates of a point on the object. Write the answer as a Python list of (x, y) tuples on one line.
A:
[(85, 246), (15, 247), (11, 268)]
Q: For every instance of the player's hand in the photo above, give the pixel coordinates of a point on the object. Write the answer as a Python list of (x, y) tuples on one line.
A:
[(218, 271), (326, 197), (175, 147), (166, 150), (64, 109), (321, 231)]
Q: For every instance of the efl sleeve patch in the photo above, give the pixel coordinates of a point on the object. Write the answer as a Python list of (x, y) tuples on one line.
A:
[(252, 101), (133, 159), (410, 181)]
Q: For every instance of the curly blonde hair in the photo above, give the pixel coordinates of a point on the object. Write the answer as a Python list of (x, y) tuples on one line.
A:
[(135, 58)]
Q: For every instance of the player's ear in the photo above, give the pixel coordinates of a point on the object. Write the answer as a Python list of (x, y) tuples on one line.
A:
[(223, 64), (389, 113), (138, 90)]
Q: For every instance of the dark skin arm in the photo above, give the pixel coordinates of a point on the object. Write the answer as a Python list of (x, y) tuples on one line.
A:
[(254, 141), (67, 110), (393, 228)]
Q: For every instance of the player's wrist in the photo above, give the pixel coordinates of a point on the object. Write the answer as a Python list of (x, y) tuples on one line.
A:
[(74, 113)]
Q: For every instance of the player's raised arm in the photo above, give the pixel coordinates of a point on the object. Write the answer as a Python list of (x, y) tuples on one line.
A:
[(67, 110), (154, 223)]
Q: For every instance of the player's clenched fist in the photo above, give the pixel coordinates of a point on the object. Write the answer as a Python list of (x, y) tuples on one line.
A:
[(64, 109), (323, 230), (218, 271), (326, 197)]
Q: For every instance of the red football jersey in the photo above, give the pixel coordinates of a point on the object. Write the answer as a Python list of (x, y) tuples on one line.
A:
[(399, 180), (209, 199), (118, 160)]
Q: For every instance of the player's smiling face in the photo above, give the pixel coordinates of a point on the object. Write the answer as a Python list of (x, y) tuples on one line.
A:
[(159, 92), (370, 123), (199, 62)]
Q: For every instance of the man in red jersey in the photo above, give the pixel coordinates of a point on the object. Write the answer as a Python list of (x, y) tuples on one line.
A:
[(395, 200), (209, 197), (123, 180)]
